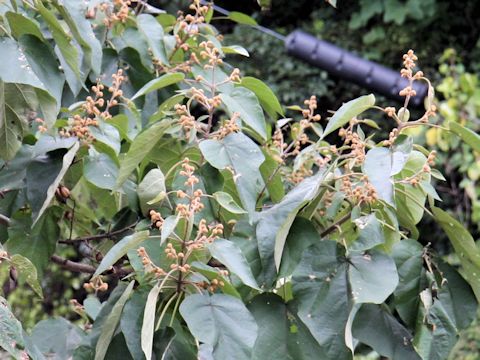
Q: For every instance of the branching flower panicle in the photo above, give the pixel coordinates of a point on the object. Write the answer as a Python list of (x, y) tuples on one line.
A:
[(92, 113)]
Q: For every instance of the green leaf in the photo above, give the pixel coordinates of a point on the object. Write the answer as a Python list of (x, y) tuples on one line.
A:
[(57, 337), (372, 276), (274, 224), (408, 258), (16, 101), (62, 39), (131, 322), (245, 103), (238, 152), (73, 12), (348, 111), (457, 297), (226, 201), (272, 178), (16, 67), (410, 200), (21, 25), (120, 249), (13, 172), (107, 139), (100, 170), (150, 187), (92, 306), (36, 243), (377, 328), (110, 324), (168, 227), (221, 322), (140, 147), (232, 257), (370, 233), (301, 235), (467, 135), (281, 334), (378, 167), (235, 49), (149, 321), (241, 18), (159, 83), (41, 59), (435, 334), (464, 247), (66, 162), (27, 273), (11, 338), (265, 95), (153, 32), (326, 283)]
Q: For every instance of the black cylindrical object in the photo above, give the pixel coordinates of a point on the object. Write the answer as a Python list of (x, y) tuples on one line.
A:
[(348, 66)]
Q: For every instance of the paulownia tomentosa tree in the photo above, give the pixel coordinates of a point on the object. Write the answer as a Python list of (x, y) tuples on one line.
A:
[(218, 228)]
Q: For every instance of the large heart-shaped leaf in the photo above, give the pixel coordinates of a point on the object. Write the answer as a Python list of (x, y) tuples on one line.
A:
[(223, 323), (245, 103), (274, 224), (240, 153), (231, 256), (140, 147), (327, 283), (379, 329), (281, 334)]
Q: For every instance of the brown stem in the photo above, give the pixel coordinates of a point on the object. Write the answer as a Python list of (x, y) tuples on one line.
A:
[(72, 266), (5, 220), (332, 227), (85, 268), (270, 178), (106, 235)]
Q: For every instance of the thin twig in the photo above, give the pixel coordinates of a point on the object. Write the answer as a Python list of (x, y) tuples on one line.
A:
[(334, 226), (5, 220), (85, 268), (73, 266), (106, 235)]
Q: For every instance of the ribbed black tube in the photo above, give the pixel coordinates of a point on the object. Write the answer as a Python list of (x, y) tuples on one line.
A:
[(348, 66)]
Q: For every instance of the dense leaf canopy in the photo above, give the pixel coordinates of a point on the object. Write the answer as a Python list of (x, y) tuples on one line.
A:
[(209, 224)]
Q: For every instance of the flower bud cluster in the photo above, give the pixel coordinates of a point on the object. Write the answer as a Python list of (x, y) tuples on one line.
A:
[(407, 72), (3, 255), (359, 193), (392, 136), (77, 307), (298, 175), (156, 219), (210, 53), (148, 264), (228, 127), (309, 113), (92, 110), (356, 144), (235, 75), (186, 120), (209, 103), (96, 284), (190, 22), (116, 13)]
